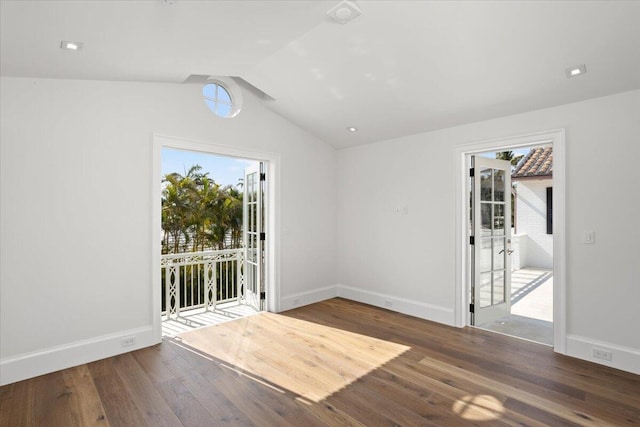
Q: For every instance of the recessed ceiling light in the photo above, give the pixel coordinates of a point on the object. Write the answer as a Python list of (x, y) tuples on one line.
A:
[(576, 71), (70, 45), (352, 129), (344, 12)]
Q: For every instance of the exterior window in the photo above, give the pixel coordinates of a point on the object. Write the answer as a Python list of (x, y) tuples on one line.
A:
[(549, 210), (218, 99)]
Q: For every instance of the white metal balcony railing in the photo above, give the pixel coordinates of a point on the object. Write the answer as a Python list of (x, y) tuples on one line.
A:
[(200, 280)]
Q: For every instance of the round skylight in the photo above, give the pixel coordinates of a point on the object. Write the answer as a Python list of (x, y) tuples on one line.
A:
[(222, 99)]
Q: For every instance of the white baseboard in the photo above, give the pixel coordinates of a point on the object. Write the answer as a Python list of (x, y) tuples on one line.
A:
[(401, 305), (623, 358), (29, 365), (309, 297)]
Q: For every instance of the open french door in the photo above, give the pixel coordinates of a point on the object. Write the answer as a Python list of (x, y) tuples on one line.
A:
[(254, 236), (491, 239)]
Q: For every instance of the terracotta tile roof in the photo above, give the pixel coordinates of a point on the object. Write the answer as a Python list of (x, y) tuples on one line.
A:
[(537, 163)]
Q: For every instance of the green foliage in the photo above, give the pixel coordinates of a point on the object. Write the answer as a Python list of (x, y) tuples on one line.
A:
[(508, 155), (199, 214)]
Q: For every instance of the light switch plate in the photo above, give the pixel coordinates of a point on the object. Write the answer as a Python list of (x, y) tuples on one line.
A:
[(588, 237)]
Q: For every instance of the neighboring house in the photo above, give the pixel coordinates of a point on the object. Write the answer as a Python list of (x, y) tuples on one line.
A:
[(533, 216)]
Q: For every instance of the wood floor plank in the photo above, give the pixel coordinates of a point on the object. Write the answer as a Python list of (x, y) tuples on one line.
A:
[(222, 410), (153, 407), (333, 363), (16, 404), (84, 401), (184, 405), (262, 404), (179, 398), (118, 403), (51, 401), (417, 397), (328, 414)]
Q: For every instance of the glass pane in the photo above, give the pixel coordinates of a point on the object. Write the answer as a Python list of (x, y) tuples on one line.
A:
[(484, 254), (498, 257), (223, 95), (485, 184), (485, 219), (250, 183), (224, 110), (250, 277), (211, 104), (498, 182), (252, 212), (498, 287), (209, 91), (485, 290), (498, 219)]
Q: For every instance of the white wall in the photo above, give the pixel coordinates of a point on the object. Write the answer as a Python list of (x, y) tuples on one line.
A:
[(383, 256), (76, 205), (532, 221), (75, 179)]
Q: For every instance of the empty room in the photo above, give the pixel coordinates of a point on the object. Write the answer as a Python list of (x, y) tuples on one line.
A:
[(319, 213)]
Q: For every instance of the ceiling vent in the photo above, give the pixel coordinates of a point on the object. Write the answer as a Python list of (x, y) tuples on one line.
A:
[(344, 12)]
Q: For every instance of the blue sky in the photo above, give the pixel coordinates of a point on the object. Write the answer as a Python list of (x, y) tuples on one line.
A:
[(223, 170)]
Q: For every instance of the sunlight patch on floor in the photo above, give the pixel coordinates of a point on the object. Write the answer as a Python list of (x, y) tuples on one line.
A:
[(481, 407), (308, 359)]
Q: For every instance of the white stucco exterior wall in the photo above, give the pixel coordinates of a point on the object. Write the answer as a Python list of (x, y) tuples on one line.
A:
[(532, 222)]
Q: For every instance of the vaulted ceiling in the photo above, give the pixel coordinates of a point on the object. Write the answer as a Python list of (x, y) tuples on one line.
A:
[(400, 68)]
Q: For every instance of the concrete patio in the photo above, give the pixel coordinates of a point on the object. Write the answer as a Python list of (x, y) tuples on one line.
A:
[(531, 315)]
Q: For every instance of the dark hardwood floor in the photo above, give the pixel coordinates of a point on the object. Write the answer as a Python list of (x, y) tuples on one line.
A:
[(332, 363)]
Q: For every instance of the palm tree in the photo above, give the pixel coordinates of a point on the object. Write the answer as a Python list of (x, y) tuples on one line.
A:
[(508, 155), (198, 212)]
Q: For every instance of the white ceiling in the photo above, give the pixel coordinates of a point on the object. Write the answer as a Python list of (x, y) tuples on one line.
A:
[(400, 68)]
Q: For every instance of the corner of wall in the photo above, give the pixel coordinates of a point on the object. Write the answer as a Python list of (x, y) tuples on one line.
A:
[(309, 297), (418, 309)]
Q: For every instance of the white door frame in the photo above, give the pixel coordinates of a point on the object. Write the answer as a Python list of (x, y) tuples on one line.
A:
[(272, 220), (462, 276)]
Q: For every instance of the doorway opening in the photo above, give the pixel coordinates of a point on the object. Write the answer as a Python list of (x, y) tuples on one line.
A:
[(212, 232), (510, 245), (512, 255)]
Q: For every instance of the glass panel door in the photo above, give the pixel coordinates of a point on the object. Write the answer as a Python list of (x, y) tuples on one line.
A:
[(491, 269), (253, 236)]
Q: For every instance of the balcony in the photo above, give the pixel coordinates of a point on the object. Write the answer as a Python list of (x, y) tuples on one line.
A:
[(202, 289)]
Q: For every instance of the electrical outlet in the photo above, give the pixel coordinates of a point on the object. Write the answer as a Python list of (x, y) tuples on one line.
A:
[(128, 341), (599, 353)]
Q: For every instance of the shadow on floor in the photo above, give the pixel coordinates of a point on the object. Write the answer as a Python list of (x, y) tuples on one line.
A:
[(193, 319), (520, 292)]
